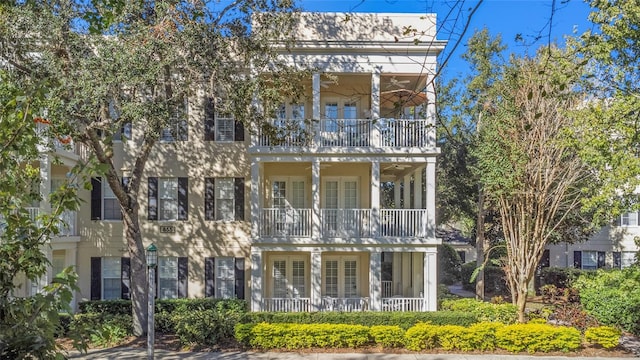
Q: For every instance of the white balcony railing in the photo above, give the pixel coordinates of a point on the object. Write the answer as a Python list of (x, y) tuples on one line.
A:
[(403, 222), (287, 304), (387, 289), (402, 304), (350, 223), (67, 225), (347, 133), (285, 222), (345, 304), (33, 212)]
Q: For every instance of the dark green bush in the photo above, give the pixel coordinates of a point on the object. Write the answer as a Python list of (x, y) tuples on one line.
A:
[(113, 307), (561, 278), (403, 319), (612, 297), (204, 327), (494, 279), (85, 323), (449, 263)]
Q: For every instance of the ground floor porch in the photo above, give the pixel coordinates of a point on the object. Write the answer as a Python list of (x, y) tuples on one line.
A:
[(343, 279)]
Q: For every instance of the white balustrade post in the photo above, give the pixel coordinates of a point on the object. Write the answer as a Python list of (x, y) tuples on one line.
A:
[(430, 280), (375, 109), (316, 276), (255, 200), (375, 280), (315, 84), (316, 232), (256, 279), (375, 199), (430, 179)]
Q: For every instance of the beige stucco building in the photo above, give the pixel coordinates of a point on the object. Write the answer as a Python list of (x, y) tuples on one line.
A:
[(338, 214)]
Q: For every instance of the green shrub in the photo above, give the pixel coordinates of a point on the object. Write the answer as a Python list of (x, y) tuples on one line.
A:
[(606, 336), (367, 318), (85, 323), (243, 333), (108, 335), (113, 307), (537, 337), (452, 337), (483, 311), (560, 278), (388, 336), (299, 336), (421, 336), (482, 336), (204, 327), (613, 297), (449, 263), (494, 279)]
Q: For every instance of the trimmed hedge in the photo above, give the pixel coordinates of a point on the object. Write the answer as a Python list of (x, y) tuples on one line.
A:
[(537, 337), (404, 320), (606, 336), (123, 307), (505, 313), (388, 336), (300, 336)]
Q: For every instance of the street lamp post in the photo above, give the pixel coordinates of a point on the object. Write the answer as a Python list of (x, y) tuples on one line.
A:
[(152, 261)]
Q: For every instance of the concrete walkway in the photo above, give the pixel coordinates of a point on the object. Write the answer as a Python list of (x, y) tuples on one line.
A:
[(140, 353)]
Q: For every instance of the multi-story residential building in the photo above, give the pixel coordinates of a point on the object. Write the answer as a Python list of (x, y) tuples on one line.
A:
[(614, 246), (336, 214)]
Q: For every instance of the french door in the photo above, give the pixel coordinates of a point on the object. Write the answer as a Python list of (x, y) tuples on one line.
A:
[(340, 198), (340, 277), (289, 279)]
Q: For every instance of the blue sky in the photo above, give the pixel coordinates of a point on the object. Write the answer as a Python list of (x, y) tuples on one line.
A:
[(529, 18)]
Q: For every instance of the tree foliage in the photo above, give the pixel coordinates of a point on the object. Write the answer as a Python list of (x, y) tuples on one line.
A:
[(28, 323), (527, 164), (114, 64)]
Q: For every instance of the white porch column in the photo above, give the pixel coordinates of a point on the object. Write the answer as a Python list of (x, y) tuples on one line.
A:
[(375, 108), (407, 192), (430, 179), (316, 231), (375, 199), (256, 279), (316, 277), (255, 200), (430, 281), (396, 193), (315, 85), (71, 260), (431, 110), (375, 280), (417, 188)]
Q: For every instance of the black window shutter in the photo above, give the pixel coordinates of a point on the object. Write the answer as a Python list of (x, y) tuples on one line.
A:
[(602, 262), (577, 259), (239, 198), (183, 198), (209, 119), (617, 260), (209, 277), (125, 186), (96, 278), (545, 261), (125, 267), (183, 129), (183, 276), (209, 199), (239, 278), (618, 220), (96, 199), (153, 199), (238, 133)]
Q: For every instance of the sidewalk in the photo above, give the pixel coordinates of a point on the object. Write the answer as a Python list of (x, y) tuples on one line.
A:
[(140, 353)]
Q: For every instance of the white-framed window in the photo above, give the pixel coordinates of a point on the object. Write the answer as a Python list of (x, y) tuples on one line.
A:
[(168, 277), (123, 132), (627, 258), (178, 128), (629, 219), (289, 277), (225, 199), (340, 277), (225, 277), (589, 260), (111, 278), (168, 198), (224, 128), (110, 205)]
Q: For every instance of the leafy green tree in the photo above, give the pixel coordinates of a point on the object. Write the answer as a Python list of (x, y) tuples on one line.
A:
[(608, 128), (528, 165), (27, 324), (113, 64)]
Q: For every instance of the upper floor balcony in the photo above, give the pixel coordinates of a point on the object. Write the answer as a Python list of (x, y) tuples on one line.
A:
[(346, 134), (66, 226)]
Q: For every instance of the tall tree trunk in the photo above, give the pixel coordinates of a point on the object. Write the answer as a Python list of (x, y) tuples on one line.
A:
[(521, 302), (480, 246), (139, 282)]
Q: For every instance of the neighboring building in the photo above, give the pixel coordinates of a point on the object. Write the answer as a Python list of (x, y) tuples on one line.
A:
[(296, 223), (613, 246)]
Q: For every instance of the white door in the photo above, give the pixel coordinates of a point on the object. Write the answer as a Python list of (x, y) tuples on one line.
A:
[(340, 277), (340, 200), (289, 277), (288, 198)]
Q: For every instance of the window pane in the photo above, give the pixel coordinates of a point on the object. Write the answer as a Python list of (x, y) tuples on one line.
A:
[(298, 278), (589, 260), (298, 194), (350, 195), (279, 194), (350, 280), (168, 277), (168, 198), (225, 209), (111, 278), (224, 129), (350, 111), (225, 277), (279, 279), (331, 278), (297, 111), (627, 258)]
